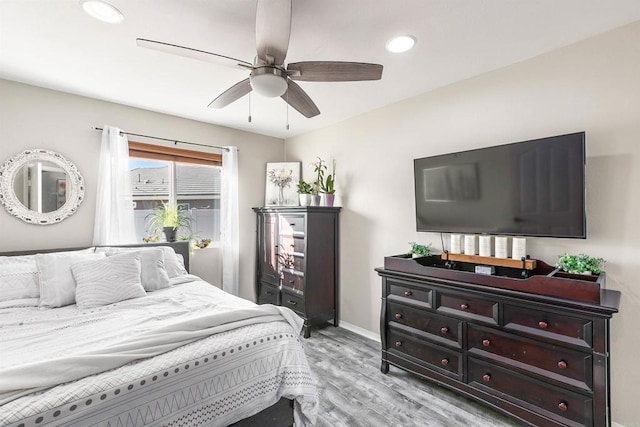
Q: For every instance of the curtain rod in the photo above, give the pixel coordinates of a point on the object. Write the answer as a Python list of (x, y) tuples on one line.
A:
[(175, 141)]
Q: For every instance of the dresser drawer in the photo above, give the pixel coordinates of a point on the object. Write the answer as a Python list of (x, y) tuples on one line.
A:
[(430, 355), (292, 224), (440, 327), (269, 294), (293, 280), (469, 307), (557, 327), (294, 302), (405, 293), (572, 367), (563, 406)]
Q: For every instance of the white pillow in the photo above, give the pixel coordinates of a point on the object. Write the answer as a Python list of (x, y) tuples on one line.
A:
[(153, 273), (174, 265), (57, 286), (107, 281), (19, 280)]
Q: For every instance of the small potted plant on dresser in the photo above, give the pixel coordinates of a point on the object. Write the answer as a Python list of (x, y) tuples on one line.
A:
[(418, 250), (325, 186), (580, 264), (305, 193)]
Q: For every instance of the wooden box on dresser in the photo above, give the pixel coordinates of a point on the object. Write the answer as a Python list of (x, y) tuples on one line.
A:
[(298, 261), (543, 360)]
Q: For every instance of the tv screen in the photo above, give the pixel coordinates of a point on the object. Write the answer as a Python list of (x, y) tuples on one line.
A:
[(530, 188)]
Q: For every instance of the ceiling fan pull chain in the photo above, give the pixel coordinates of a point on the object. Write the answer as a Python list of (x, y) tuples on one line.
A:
[(249, 107), (287, 109)]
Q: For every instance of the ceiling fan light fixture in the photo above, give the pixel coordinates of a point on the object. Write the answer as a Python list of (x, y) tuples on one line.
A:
[(268, 81), (102, 11), (401, 43)]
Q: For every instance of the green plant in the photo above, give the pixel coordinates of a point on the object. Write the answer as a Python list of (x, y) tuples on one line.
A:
[(304, 187), (167, 215), (581, 263), (419, 249), (328, 185), (319, 168)]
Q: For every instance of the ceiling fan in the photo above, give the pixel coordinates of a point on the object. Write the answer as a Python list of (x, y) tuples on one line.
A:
[(268, 74)]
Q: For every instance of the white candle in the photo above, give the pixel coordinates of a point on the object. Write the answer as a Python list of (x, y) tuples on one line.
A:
[(519, 249), (501, 247), (469, 244), (485, 245), (455, 244)]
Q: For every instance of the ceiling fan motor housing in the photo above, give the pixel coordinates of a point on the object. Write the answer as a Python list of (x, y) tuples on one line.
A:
[(268, 81)]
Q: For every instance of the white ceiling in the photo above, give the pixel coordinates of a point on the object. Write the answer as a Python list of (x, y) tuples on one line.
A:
[(54, 44)]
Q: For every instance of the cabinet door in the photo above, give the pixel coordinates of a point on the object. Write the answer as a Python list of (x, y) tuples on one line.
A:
[(291, 251), (268, 250)]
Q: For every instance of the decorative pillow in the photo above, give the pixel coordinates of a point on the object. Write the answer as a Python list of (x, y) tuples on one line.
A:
[(18, 278), (153, 272), (57, 286), (107, 281)]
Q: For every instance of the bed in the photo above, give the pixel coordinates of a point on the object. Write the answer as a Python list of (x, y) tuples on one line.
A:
[(185, 354)]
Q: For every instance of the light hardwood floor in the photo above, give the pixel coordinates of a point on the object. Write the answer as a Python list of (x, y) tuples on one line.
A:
[(353, 391)]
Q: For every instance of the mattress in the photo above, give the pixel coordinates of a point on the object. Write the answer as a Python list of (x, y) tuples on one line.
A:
[(214, 368)]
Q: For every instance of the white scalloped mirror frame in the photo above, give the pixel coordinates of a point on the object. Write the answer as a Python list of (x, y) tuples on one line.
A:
[(8, 198)]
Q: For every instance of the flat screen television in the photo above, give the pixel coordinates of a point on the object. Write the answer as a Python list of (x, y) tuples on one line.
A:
[(530, 188)]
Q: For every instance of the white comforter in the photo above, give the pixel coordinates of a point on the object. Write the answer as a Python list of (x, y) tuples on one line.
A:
[(42, 348)]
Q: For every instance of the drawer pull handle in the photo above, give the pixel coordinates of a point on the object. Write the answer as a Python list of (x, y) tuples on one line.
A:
[(562, 364), (464, 306), (543, 324), (398, 316), (407, 293), (398, 343), (444, 329), (486, 378), (486, 343), (292, 302), (563, 406), (291, 281), (269, 293), (444, 362)]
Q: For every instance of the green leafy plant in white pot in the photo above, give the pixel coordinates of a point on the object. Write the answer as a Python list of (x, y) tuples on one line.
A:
[(325, 185), (305, 193), (418, 250), (580, 264)]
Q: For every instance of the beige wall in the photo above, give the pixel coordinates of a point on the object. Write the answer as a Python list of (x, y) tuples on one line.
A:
[(592, 86), (32, 117)]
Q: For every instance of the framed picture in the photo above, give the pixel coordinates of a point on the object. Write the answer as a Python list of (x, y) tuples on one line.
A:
[(282, 180)]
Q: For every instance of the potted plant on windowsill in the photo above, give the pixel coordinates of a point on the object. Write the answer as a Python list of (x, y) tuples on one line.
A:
[(305, 193), (580, 264), (168, 219)]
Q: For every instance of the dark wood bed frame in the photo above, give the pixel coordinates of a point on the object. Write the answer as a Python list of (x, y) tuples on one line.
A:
[(279, 414)]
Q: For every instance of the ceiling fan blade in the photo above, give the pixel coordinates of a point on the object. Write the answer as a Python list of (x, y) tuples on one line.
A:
[(298, 99), (194, 53), (232, 94), (334, 71), (273, 28)]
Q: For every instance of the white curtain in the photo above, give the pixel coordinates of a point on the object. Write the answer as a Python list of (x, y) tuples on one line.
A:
[(230, 229), (114, 222)]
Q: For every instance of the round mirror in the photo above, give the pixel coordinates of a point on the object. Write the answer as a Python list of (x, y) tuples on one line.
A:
[(40, 186)]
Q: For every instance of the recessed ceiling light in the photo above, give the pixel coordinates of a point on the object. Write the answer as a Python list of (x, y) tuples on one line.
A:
[(102, 10), (400, 44)]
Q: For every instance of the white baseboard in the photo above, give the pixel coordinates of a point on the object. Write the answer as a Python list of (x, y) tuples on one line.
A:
[(360, 331), (614, 424)]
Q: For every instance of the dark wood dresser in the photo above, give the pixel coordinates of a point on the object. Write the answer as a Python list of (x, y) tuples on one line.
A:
[(298, 261), (543, 360)]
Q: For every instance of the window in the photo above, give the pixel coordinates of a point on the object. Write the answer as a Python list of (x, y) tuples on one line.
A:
[(188, 179)]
